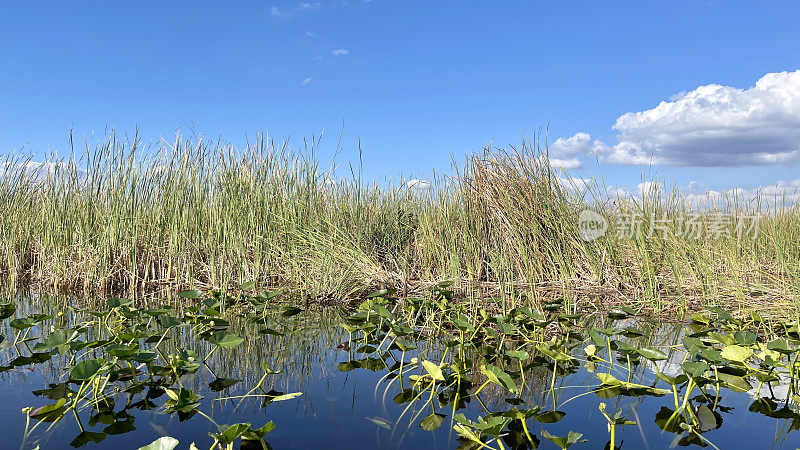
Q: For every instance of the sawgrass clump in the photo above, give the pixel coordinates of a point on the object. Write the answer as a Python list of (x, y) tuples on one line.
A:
[(125, 219)]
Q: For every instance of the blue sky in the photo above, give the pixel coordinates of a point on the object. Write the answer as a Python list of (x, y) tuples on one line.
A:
[(419, 81)]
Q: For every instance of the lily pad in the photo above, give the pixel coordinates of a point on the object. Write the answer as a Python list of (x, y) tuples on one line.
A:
[(736, 353), (225, 339), (85, 370), (432, 422), (7, 310), (499, 377), (162, 443)]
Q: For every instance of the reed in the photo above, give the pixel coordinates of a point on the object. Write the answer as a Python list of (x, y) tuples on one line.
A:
[(122, 218)]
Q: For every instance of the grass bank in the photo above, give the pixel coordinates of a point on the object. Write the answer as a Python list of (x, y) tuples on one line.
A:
[(122, 219)]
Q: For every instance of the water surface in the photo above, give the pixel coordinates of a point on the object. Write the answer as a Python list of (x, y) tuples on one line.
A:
[(357, 408)]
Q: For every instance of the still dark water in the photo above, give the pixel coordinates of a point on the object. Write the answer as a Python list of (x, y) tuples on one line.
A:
[(354, 409)]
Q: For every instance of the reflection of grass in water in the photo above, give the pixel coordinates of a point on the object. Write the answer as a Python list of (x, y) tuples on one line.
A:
[(533, 361), (443, 355), (304, 347), (309, 341), (121, 219)]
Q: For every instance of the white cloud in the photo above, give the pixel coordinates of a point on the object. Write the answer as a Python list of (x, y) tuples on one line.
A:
[(340, 52), (695, 187), (648, 189), (615, 192), (33, 171), (712, 125), (783, 194), (307, 80), (310, 34), (782, 187), (289, 12), (699, 195), (766, 195), (579, 185), (418, 184), (566, 164), (564, 151), (34, 168), (578, 144), (717, 125), (332, 183)]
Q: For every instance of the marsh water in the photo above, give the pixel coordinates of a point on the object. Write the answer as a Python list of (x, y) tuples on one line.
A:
[(348, 400)]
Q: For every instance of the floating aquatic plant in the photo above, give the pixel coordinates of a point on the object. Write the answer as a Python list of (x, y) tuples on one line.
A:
[(121, 352), (719, 352)]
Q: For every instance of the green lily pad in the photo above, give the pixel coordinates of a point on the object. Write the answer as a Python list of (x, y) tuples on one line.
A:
[(550, 416), (85, 370), (433, 370), (566, 441), (225, 339), (162, 443), (652, 354), (49, 413), (190, 294), (432, 422), (7, 310), (259, 433), (230, 433), (499, 377), (736, 353)]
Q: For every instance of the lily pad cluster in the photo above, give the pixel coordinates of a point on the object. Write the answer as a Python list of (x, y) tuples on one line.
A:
[(439, 355), (491, 374), (122, 358)]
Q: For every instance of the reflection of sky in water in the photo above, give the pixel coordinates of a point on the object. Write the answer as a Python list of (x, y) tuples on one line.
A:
[(351, 409), (666, 336)]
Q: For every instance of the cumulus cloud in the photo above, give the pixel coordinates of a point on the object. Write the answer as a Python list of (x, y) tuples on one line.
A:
[(332, 183), (791, 187), (695, 187), (782, 194), (34, 171), (698, 194), (712, 125), (564, 152), (340, 52), (615, 192), (578, 144), (717, 125), (570, 163), (577, 185), (34, 168), (418, 184), (649, 189), (768, 196)]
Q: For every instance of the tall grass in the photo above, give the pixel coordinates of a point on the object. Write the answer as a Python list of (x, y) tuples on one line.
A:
[(124, 219)]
